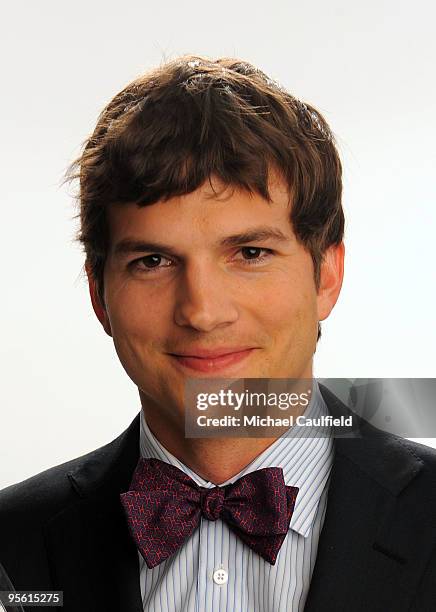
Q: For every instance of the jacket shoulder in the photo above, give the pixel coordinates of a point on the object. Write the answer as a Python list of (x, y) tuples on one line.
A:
[(49, 491), (26, 508), (55, 496), (396, 463), (43, 494), (426, 455)]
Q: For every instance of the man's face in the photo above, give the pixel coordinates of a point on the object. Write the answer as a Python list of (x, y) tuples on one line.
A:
[(184, 282)]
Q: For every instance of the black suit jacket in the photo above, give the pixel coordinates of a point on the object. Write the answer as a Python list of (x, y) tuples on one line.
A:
[(64, 529)]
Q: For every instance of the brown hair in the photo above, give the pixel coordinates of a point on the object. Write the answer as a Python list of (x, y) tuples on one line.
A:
[(171, 129)]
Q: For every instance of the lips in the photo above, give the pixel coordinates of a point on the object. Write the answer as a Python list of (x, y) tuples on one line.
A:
[(211, 361)]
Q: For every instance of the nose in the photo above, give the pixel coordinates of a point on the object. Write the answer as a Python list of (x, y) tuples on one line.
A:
[(204, 299)]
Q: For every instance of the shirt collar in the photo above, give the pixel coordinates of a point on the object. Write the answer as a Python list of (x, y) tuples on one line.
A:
[(304, 453)]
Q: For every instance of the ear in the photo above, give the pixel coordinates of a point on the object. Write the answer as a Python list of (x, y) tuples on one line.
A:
[(99, 308), (331, 276)]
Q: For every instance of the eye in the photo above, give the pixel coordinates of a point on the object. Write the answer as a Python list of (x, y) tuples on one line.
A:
[(252, 255), (148, 263)]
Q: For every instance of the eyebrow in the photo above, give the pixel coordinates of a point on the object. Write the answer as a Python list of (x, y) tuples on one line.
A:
[(128, 246)]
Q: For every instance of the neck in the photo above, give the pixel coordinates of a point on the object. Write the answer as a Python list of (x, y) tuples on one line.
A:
[(216, 460)]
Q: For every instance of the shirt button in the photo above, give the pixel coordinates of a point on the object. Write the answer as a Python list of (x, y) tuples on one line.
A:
[(220, 576)]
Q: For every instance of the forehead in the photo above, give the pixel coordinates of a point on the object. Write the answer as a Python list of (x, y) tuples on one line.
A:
[(211, 210)]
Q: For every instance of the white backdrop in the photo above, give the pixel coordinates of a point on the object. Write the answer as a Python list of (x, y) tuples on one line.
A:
[(369, 68)]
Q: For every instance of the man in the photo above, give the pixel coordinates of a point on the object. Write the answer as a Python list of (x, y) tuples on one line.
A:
[(210, 208)]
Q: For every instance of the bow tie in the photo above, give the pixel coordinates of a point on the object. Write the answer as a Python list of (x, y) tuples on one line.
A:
[(164, 506)]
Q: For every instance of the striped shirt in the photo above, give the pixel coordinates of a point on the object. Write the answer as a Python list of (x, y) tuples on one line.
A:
[(214, 571)]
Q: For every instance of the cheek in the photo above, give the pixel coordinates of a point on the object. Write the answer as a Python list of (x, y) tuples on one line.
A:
[(287, 306), (139, 333), (132, 310), (139, 326)]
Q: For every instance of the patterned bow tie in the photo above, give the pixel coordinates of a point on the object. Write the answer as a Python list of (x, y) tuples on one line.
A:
[(164, 506)]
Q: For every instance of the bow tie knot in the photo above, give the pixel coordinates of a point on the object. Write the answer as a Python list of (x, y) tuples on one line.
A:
[(164, 506), (211, 502)]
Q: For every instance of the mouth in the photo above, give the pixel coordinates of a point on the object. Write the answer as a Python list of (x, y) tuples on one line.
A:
[(211, 362)]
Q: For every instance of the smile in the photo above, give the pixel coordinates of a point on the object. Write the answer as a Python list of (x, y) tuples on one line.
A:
[(211, 364)]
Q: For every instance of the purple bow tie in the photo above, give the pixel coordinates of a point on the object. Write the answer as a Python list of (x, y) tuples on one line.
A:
[(164, 506)]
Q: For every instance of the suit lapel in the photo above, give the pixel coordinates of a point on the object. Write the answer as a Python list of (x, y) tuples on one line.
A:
[(370, 554), (91, 554)]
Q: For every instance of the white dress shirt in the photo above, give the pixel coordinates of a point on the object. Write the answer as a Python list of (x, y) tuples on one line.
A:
[(214, 571)]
